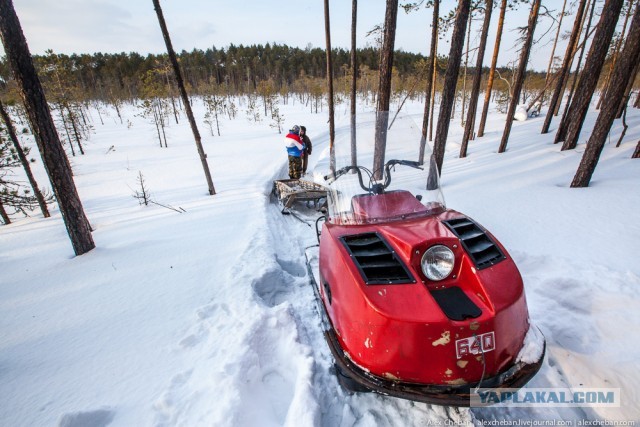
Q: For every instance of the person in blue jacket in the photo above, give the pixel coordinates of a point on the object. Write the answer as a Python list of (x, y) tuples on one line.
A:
[(295, 148)]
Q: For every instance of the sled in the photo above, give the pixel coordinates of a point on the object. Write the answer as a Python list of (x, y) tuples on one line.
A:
[(290, 191)]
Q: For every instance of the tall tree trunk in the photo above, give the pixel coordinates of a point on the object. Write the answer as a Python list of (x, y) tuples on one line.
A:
[(625, 126), (492, 70), (540, 94), (156, 121), (566, 64), (450, 81), (464, 74), (560, 134), (54, 158), (553, 52), (66, 130), (627, 92), (332, 131), (616, 51), (184, 96), (404, 100), (25, 162), (591, 72), (477, 78), (430, 79), (115, 104), (4, 215), (384, 87), (74, 126), (636, 152), (590, 4), (433, 96), (354, 82), (624, 68), (520, 74)]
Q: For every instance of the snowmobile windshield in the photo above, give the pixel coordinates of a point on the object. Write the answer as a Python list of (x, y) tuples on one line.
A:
[(389, 180)]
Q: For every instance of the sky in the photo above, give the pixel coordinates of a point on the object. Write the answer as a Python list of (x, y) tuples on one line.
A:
[(88, 26)]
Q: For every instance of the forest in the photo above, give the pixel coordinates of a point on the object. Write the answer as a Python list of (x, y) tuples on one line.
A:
[(237, 70)]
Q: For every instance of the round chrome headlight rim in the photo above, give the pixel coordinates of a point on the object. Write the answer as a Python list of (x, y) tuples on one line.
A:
[(437, 262)]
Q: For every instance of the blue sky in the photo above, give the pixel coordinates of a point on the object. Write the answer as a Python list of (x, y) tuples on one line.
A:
[(86, 26)]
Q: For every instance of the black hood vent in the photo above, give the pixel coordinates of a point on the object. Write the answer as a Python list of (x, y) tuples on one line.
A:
[(455, 304), (376, 260), (481, 248)]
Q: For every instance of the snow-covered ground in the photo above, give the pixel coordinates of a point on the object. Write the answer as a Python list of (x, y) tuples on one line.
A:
[(206, 317)]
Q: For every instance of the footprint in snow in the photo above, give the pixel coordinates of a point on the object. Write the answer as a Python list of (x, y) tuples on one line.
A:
[(97, 418), (273, 287), (294, 268)]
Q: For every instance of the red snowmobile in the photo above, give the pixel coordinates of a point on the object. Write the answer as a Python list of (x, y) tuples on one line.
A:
[(419, 301)]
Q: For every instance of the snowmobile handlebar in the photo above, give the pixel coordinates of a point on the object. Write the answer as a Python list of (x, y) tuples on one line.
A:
[(387, 171), (331, 178), (374, 188)]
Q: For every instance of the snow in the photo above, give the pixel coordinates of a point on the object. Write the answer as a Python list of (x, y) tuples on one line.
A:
[(521, 113), (206, 317), (533, 346)]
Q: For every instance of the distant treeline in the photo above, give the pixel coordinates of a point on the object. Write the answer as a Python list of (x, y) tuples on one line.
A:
[(234, 70)]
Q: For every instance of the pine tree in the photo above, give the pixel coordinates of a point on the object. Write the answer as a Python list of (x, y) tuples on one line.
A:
[(450, 81), (185, 98), (492, 70), (590, 74), (620, 75), (475, 89), (520, 74), (55, 160), (547, 77), (560, 134), (332, 131), (153, 106), (22, 156), (13, 194), (431, 69), (354, 82), (616, 51), (556, 97), (384, 87), (3, 214)]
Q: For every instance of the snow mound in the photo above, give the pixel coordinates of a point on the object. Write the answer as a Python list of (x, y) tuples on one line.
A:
[(521, 113)]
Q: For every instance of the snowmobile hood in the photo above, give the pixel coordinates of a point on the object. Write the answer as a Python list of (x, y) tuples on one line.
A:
[(404, 292)]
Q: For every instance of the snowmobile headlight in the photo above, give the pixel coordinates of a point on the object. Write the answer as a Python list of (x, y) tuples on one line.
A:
[(437, 262)]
